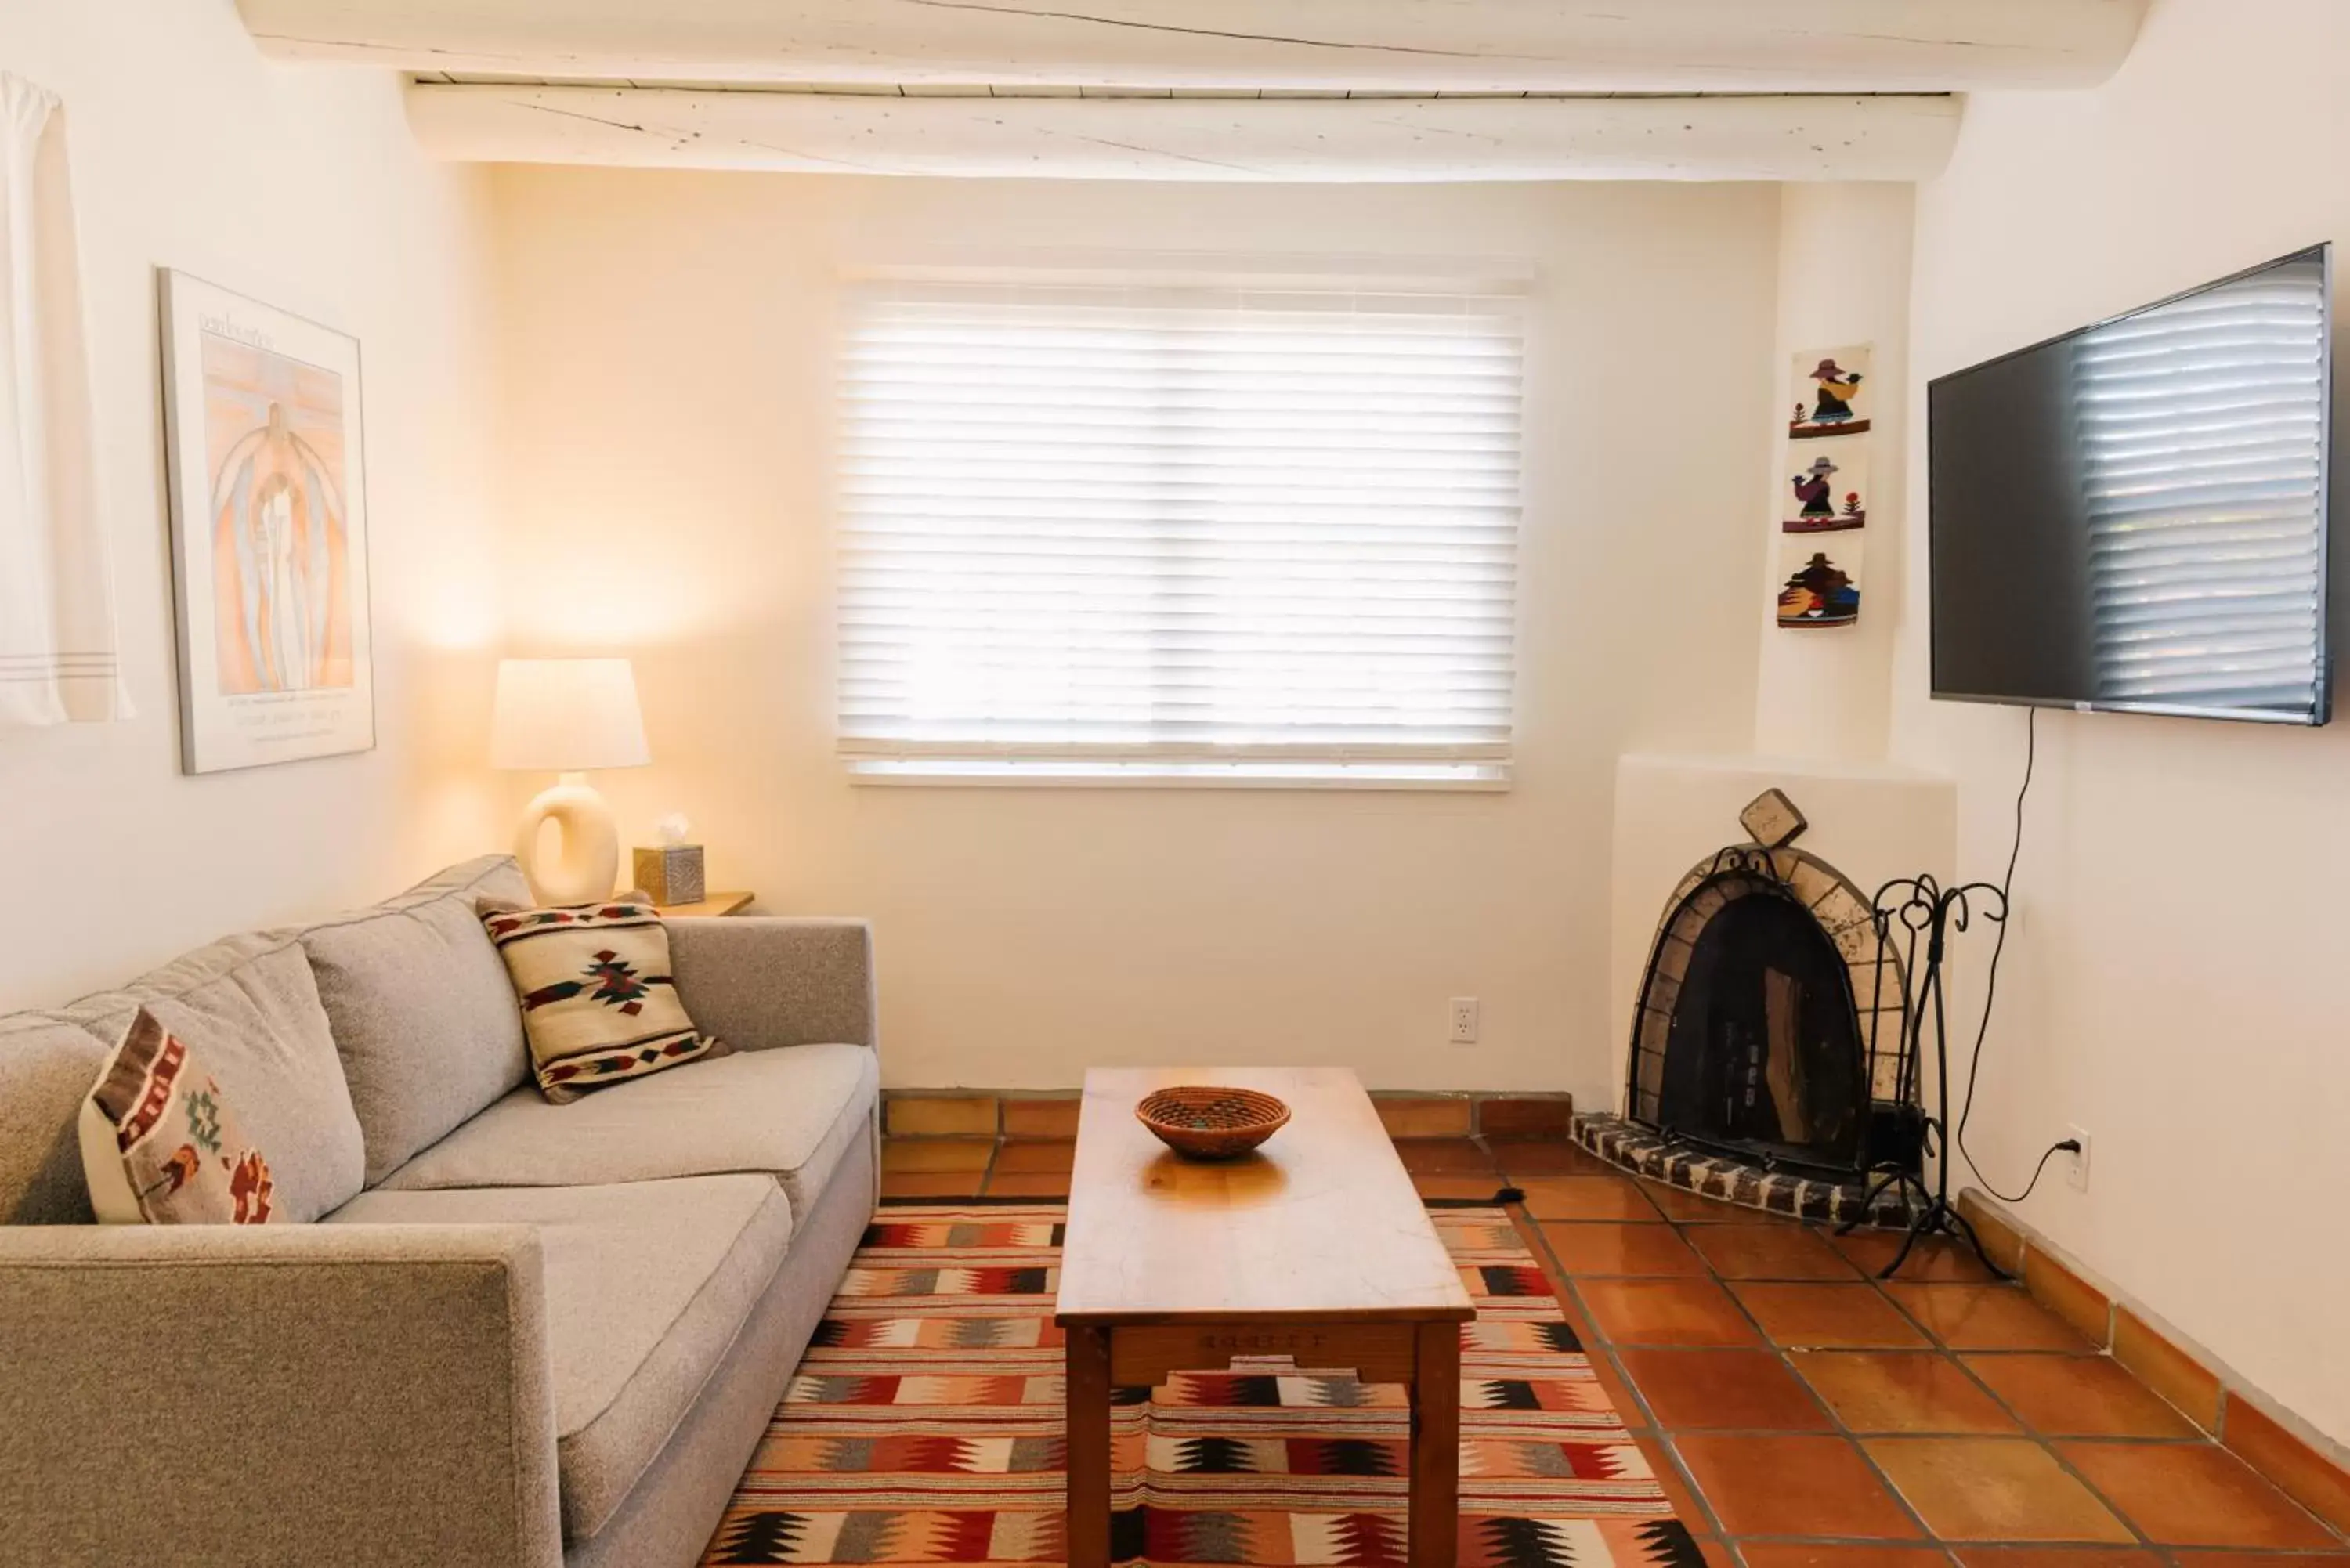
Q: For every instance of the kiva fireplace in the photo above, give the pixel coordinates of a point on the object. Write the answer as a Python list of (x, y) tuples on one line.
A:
[(1771, 1059)]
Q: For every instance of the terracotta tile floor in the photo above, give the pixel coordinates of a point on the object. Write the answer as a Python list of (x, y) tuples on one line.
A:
[(1801, 1415)]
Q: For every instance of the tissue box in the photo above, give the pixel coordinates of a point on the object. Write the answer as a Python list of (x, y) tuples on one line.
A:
[(670, 874)]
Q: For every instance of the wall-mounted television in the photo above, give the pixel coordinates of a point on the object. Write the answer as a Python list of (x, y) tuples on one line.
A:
[(2134, 516)]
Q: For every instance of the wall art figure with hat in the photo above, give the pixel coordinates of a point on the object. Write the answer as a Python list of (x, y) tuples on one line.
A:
[(1832, 395), (1829, 493)]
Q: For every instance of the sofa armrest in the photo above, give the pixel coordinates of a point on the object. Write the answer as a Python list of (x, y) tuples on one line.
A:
[(275, 1394), (759, 981)]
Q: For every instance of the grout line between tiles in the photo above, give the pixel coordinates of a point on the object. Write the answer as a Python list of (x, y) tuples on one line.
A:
[(1836, 1422), (1936, 1344), (1598, 1339)]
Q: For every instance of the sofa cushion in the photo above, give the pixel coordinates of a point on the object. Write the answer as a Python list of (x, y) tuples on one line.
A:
[(47, 1068), (250, 1003), (161, 1144), (496, 876), (646, 1285), (422, 1010), (790, 1112), (598, 1003)]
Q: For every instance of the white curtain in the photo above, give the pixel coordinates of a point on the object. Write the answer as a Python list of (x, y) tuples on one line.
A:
[(57, 663)]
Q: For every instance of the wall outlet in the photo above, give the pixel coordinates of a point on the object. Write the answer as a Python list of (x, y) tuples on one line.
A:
[(2077, 1173), (1464, 1020)]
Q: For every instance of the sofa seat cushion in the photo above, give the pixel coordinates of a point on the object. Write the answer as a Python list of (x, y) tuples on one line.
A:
[(791, 1112), (647, 1283)]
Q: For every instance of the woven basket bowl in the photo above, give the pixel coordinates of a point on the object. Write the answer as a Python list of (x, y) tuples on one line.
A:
[(1201, 1122)]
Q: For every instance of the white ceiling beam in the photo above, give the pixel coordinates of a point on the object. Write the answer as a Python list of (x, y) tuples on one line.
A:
[(1400, 46), (1325, 140)]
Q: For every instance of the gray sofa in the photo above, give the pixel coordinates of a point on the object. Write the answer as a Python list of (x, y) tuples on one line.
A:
[(510, 1334)]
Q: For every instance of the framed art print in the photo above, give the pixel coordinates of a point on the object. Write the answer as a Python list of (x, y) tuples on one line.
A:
[(269, 531)]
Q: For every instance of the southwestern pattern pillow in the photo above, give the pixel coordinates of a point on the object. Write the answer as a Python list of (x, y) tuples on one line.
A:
[(597, 1003), (158, 1144)]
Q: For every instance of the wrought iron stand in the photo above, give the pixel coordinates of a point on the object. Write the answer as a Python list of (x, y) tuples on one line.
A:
[(1925, 909)]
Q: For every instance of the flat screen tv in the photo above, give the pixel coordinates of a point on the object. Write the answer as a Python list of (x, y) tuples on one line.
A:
[(2134, 516)]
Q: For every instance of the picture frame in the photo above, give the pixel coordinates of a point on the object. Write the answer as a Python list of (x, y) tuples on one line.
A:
[(266, 470)]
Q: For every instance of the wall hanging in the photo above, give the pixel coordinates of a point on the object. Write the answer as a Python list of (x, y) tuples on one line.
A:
[(1823, 504), (268, 531)]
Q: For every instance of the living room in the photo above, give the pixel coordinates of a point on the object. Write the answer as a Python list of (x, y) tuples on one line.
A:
[(656, 328)]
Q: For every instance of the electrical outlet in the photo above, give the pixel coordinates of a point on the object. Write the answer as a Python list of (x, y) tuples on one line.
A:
[(1464, 1020), (2077, 1172)]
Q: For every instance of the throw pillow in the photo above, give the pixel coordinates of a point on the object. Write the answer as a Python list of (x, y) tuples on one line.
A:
[(598, 1003), (159, 1145)]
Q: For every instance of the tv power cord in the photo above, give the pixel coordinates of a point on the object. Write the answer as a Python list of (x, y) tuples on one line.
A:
[(1991, 985)]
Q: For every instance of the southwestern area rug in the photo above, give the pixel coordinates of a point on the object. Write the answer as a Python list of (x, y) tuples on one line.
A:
[(925, 1427)]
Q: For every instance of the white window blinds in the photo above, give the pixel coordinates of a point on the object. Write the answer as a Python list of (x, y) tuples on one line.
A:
[(2203, 445), (1179, 532)]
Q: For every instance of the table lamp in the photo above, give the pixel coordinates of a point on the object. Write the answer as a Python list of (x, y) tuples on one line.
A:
[(566, 716)]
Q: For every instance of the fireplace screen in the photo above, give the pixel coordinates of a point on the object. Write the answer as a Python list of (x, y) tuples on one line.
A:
[(1769, 1025), (1766, 1046)]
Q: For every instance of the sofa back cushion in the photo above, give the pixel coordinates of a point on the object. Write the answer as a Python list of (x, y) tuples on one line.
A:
[(422, 1010), (47, 1068), (249, 1005), (484, 876)]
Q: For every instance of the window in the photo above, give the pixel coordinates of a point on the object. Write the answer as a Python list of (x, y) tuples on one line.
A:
[(1144, 531)]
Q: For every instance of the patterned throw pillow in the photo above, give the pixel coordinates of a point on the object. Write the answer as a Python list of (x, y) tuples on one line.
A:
[(597, 1003), (158, 1144)]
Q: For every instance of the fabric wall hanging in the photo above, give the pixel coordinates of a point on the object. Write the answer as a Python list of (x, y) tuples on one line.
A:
[(1823, 502), (57, 661), (269, 554)]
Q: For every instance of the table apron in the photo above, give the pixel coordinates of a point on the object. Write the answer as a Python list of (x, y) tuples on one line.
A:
[(1142, 1354)]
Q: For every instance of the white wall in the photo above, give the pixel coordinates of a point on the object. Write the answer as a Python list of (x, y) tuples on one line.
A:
[(1844, 277), (301, 188), (1821, 699), (2175, 987), (670, 339)]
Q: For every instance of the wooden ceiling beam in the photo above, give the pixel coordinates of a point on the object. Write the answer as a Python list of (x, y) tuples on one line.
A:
[(1323, 139), (1397, 46)]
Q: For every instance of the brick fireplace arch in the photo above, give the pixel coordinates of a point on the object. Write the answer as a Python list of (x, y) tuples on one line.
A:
[(1802, 1081)]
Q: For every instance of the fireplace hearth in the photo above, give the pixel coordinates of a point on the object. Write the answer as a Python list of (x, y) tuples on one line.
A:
[(1772, 1063)]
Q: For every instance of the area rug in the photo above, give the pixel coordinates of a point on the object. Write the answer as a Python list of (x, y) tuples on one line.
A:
[(925, 1426)]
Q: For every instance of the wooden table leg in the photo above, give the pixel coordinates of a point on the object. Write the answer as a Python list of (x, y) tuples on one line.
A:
[(1087, 1364), (1436, 1447)]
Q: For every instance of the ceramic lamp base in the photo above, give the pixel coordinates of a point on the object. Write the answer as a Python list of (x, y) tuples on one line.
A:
[(587, 844)]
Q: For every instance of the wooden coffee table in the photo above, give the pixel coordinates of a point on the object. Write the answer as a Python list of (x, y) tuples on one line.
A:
[(1316, 1247)]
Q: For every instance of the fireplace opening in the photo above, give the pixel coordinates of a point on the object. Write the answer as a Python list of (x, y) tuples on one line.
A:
[(1764, 1052), (1772, 1035)]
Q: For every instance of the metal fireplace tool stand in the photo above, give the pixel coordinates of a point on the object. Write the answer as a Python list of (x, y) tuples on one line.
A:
[(1927, 911)]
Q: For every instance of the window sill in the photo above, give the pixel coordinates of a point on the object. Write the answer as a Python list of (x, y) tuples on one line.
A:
[(1478, 777)]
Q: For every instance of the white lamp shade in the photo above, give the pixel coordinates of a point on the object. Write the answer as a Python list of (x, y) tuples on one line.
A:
[(566, 715)]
